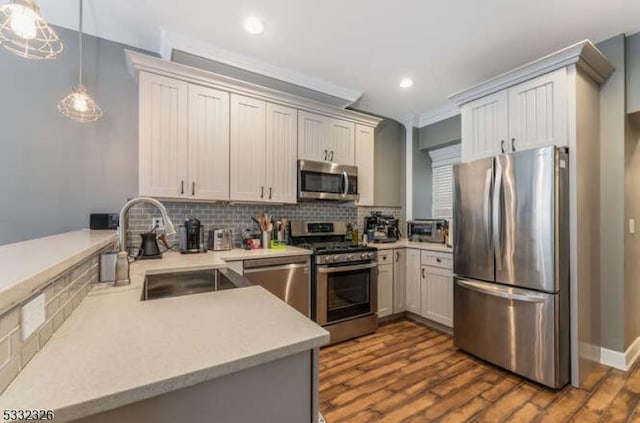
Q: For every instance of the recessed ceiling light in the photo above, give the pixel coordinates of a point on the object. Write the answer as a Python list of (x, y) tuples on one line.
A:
[(406, 83), (254, 25)]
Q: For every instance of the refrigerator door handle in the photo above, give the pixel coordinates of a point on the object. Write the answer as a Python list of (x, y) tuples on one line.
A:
[(497, 210), (513, 294), (487, 206)]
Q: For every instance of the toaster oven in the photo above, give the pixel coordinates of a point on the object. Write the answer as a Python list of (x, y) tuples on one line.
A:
[(427, 230)]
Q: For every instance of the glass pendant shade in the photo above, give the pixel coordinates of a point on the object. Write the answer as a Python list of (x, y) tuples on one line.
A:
[(24, 32), (79, 106)]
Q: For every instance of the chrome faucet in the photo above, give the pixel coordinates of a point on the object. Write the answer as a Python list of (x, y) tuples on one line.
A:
[(122, 264)]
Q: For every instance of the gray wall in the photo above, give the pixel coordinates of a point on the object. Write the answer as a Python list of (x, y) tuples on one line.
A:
[(53, 171), (632, 241), (441, 134), (389, 168), (612, 136), (422, 177), (633, 73)]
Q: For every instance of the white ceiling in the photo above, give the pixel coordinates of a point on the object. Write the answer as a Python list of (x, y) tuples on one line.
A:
[(368, 45)]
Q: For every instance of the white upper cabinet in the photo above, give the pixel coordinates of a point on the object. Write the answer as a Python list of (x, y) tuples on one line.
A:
[(365, 163), (528, 115), (538, 112), (341, 141), (322, 138), (485, 126), (312, 135), (282, 151), (208, 163), (248, 149), (163, 136)]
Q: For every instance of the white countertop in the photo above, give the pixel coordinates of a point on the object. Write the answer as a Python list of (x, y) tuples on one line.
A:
[(28, 265), (403, 243), (115, 349)]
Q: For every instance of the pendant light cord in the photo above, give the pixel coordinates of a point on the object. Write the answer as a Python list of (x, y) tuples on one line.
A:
[(80, 47)]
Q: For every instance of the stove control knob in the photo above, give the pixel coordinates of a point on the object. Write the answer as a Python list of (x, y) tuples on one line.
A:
[(352, 257), (328, 259), (337, 258), (365, 256)]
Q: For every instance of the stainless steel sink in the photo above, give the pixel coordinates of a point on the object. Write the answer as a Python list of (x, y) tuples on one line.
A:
[(174, 284)]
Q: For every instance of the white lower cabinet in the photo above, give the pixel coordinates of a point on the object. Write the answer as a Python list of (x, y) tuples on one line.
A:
[(399, 280), (385, 290), (437, 295), (413, 281)]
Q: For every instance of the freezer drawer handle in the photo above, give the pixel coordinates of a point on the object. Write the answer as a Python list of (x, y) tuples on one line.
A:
[(502, 292)]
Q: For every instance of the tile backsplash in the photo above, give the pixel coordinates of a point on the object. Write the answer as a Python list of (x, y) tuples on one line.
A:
[(238, 216), (62, 295)]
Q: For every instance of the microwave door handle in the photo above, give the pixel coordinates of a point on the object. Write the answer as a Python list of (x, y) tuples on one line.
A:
[(346, 183)]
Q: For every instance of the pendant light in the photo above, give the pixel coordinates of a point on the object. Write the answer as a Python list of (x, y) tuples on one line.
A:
[(79, 105), (24, 32)]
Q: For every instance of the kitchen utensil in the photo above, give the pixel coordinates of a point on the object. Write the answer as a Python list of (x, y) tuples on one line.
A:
[(149, 248), (220, 239), (192, 237)]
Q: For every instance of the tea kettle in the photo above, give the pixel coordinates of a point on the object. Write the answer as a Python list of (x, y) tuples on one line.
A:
[(149, 248)]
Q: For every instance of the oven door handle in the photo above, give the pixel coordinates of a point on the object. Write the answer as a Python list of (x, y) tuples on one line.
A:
[(327, 269)]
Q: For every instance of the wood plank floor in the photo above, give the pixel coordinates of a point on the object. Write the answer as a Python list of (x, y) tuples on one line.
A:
[(409, 373)]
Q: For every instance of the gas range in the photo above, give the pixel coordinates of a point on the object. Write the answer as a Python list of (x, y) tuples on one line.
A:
[(344, 280)]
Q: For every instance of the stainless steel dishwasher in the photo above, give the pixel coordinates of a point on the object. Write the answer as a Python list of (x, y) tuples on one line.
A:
[(288, 278)]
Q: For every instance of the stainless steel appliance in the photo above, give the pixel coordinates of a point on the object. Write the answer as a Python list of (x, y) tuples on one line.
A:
[(220, 239), (511, 261), (385, 228), (149, 248), (344, 279), (288, 278), (192, 237), (103, 221), (327, 181), (427, 230)]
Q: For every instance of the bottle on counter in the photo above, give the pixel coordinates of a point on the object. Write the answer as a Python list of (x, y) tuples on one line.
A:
[(354, 236), (349, 233)]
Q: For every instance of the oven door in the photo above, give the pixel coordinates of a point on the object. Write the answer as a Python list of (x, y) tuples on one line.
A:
[(346, 292), (327, 181)]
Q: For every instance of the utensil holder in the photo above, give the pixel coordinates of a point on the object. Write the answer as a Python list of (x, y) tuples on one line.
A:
[(266, 239)]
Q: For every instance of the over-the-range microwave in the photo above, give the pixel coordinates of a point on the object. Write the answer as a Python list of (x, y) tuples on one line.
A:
[(327, 181)]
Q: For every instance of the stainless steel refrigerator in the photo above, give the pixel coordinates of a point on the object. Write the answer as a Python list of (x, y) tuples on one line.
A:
[(511, 262)]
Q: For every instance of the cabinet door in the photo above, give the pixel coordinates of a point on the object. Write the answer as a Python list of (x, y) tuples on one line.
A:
[(438, 299), (365, 163), (385, 290), (208, 144), (538, 112), (248, 149), (485, 126), (312, 136), (399, 280), (163, 136), (341, 141), (413, 280), (282, 152)]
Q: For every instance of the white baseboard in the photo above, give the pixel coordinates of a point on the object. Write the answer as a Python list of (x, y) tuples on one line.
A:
[(621, 360)]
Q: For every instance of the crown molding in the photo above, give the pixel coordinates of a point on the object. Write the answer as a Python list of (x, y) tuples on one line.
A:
[(173, 41), (442, 113), (446, 155), (584, 55), (137, 62)]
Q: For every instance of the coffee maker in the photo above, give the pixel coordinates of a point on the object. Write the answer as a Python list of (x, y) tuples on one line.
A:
[(192, 237), (384, 227)]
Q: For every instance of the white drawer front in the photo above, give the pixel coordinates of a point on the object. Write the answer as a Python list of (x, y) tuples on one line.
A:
[(436, 259), (385, 257)]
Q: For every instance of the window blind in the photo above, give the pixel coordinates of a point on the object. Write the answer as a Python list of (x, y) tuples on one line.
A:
[(443, 192), (442, 161)]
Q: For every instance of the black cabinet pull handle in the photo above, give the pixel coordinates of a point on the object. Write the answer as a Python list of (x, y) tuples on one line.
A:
[(423, 275), (181, 187), (270, 190), (438, 260), (261, 192), (502, 146), (331, 159), (397, 256), (193, 188), (513, 144), (325, 154)]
